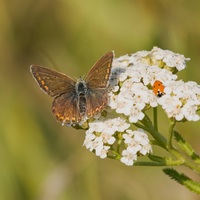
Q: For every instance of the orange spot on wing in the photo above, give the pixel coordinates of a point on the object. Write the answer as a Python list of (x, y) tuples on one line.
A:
[(46, 87)]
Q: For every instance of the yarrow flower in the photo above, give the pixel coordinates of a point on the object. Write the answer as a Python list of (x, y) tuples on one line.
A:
[(100, 135), (181, 100), (131, 94), (136, 142), (132, 79), (169, 59)]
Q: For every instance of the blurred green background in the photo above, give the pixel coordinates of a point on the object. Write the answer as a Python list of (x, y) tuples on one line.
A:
[(39, 158)]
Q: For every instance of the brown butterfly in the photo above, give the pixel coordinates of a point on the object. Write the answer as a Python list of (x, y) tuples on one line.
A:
[(76, 99)]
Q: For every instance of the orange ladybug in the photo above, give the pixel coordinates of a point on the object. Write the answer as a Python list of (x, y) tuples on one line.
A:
[(158, 88)]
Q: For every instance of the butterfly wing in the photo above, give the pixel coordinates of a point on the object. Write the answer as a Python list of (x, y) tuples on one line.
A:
[(62, 87), (99, 74), (96, 101), (51, 82), (97, 82), (65, 108)]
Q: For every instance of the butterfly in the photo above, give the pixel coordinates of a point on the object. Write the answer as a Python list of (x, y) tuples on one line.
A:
[(76, 99), (158, 88)]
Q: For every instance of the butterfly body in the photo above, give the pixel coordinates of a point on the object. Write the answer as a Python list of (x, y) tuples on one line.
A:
[(81, 90), (74, 100)]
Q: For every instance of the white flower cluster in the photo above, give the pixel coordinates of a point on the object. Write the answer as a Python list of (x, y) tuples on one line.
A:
[(136, 142), (100, 135), (181, 100), (132, 79), (169, 58), (131, 84)]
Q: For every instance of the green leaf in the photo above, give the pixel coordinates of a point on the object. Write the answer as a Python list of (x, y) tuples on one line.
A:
[(157, 158), (186, 147), (183, 180)]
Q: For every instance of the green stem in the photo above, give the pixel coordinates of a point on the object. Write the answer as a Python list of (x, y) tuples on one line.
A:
[(171, 133), (148, 126), (185, 160), (137, 163), (114, 154), (155, 121), (119, 142), (193, 167)]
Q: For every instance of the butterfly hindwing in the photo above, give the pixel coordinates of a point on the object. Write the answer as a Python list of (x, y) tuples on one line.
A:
[(65, 108), (96, 101)]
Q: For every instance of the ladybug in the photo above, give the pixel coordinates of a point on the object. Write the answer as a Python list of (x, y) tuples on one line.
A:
[(158, 88)]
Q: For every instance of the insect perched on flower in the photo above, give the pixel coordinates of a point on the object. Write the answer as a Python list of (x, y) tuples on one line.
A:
[(76, 99), (158, 88)]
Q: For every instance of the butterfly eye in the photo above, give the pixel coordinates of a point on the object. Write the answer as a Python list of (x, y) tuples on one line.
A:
[(158, 88)]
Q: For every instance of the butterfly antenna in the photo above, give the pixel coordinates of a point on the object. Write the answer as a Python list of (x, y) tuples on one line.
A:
[(49, 58)]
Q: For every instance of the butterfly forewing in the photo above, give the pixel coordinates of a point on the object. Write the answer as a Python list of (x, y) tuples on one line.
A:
[(99, 74), (97, 82), (52, 82)]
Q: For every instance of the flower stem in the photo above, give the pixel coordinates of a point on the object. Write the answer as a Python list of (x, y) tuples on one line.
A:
[(148, 126), (171, 133), (155, 121), (138, 163)]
